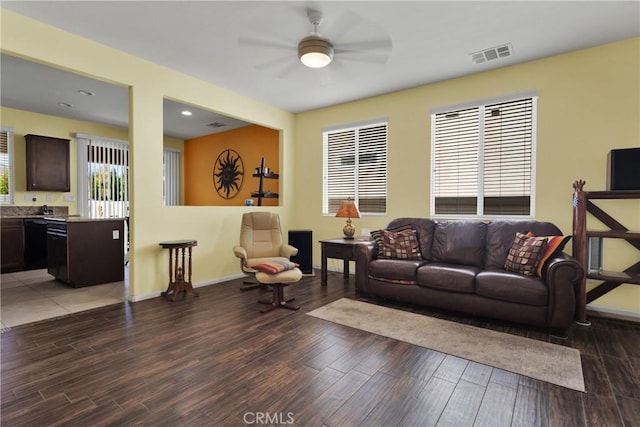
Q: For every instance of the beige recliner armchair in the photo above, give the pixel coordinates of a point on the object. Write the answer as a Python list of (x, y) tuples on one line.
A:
[(260, 242)]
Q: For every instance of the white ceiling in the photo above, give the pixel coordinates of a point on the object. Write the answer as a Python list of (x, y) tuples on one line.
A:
[(249, 47)]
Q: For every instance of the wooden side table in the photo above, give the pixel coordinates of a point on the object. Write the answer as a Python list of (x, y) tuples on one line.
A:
[(340, 249), (177, 271)]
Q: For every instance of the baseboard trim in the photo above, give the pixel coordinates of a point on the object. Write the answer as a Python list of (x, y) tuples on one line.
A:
[(614, 313), (136, 298), (336, 269)]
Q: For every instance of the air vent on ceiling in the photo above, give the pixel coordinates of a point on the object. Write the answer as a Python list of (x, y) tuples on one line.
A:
[(492, 53), (216, 125)]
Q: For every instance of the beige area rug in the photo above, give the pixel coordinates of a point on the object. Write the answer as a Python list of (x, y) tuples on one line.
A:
[(536, 359)]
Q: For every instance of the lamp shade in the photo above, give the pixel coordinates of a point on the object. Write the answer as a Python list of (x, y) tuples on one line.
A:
[(348, 209)]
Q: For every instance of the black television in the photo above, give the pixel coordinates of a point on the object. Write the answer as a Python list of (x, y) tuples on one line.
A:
[(623, 169)]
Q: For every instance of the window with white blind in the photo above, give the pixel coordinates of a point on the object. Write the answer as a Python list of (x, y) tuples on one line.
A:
[(103, 177), (483, 159), (171, 177), (355, 165), (6, 166)]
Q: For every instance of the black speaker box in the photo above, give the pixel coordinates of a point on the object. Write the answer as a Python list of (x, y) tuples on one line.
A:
[(623, 169), (302, 239)]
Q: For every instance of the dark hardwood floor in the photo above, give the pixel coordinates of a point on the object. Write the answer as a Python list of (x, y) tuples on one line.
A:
[(216, 361)]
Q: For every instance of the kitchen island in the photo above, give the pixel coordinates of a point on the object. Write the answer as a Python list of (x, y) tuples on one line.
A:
[(85, 251)]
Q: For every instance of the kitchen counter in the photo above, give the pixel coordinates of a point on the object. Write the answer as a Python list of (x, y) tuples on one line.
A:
[(25, 243), (9, 211), (77, 218), (68, 218), (85, 251), (34, 216)]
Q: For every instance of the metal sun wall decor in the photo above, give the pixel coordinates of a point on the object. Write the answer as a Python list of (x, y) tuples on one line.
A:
[(228, 173)]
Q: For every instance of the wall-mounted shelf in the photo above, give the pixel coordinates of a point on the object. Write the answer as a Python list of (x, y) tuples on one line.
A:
[(582, 204), (261, 194)]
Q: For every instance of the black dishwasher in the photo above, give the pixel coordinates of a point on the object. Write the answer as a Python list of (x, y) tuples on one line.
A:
[(35, 243)]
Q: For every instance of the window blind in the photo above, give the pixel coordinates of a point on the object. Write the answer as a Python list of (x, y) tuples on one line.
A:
[(108, 179), (507, 168), (455, 172), (483, 159), (356, 167), (171, 177), (6, 194)]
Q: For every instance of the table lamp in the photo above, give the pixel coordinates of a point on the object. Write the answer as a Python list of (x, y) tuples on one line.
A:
[(348, 209)]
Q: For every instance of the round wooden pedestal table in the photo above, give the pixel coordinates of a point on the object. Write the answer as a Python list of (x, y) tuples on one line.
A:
[(179, 276)]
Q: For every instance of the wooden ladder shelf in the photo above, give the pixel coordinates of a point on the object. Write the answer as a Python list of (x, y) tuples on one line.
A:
[(582, 204)]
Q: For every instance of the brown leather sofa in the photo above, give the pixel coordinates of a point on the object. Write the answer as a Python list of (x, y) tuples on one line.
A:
[(462, 269)]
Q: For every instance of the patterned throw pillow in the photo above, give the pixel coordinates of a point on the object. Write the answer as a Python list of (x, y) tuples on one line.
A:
[(524, 254), (555, 245), (399, 243), (274, 267)]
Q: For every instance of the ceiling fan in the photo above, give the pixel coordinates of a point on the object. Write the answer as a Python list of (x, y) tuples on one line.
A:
[(345, 40)]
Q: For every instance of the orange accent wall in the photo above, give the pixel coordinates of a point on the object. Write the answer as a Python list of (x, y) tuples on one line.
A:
[(252, 143)]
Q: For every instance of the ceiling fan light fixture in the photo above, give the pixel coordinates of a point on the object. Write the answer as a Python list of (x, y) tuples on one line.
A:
[(315, 51)]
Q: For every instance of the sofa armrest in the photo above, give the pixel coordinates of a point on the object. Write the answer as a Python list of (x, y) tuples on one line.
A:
[(364, 254), (562, 275)]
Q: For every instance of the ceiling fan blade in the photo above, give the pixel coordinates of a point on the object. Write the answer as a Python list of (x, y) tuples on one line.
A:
[(291, 67), (273, 63), (338, 27), (359, 56), (280, 67), (335, 71), (366, 45), (261, 42)]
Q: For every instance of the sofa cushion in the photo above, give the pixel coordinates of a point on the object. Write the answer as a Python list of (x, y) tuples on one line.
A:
[(400, 271), (511, 287), (524, 254), (459, 242), (500, 234), (448, 277), (424, 230), (397, 243)]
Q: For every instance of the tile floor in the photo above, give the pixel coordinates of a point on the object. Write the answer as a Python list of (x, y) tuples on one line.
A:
[(30, 296)]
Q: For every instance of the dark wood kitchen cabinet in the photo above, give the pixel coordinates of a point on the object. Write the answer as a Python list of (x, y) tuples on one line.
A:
[(12, 244), (85, 252), (47, 163)]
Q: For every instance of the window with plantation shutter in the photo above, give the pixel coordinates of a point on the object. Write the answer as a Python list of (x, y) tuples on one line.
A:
[(355, 165), (6, 165), (483, 159)]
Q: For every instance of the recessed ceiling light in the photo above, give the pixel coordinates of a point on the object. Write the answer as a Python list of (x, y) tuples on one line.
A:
[(186, 113), (65, 104), (85, 92)]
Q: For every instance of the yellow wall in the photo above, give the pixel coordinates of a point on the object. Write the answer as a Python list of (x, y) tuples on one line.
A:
[(151, 221), (251, 143), (588, 104)]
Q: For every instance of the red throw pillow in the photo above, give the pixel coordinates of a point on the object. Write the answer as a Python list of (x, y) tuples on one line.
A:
[(555, 245)]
